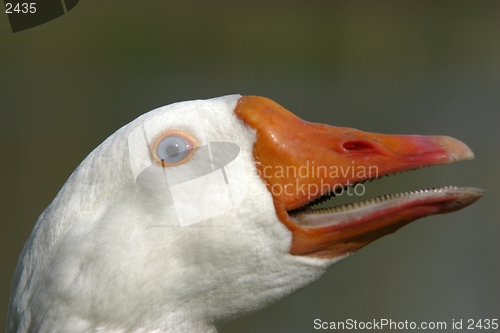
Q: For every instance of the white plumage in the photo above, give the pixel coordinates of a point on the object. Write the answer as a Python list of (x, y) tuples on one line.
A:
[(109, 256)]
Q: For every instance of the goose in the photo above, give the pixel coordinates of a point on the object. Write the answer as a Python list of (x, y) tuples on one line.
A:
[(201, 211)]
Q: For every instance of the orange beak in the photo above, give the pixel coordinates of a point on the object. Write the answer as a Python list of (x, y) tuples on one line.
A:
[(302, 163)]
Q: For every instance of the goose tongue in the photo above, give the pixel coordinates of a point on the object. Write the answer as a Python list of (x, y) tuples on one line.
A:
[(301, 161)]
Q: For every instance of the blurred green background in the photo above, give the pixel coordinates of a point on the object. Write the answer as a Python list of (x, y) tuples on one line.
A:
[(425, 67)]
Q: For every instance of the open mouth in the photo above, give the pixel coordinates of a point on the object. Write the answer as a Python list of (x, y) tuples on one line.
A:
[(350, 226), (420, 202)]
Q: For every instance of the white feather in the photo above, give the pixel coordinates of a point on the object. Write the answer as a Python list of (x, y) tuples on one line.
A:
[(110, 256)]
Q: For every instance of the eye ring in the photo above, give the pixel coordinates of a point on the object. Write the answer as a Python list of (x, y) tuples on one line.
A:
[(174, 147)]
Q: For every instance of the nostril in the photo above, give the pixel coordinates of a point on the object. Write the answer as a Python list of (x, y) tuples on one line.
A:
[(357, 145)]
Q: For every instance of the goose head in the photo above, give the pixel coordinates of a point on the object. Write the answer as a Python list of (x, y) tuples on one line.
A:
[(198, 212)]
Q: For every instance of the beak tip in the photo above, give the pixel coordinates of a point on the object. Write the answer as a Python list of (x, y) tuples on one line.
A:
[(457, 150)]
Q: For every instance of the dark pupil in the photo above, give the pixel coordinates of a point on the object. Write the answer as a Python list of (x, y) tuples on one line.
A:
[(172, 150)]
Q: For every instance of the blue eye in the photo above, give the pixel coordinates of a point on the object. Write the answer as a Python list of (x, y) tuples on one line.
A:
[(173, 149)]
